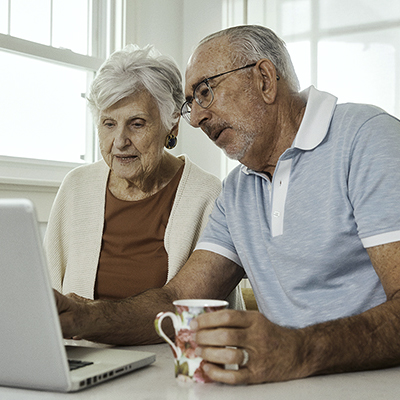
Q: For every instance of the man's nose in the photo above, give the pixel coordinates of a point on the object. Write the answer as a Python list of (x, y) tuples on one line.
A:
[(199, 115)]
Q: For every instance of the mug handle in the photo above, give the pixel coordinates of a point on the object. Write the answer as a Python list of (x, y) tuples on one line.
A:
[(158, 325)]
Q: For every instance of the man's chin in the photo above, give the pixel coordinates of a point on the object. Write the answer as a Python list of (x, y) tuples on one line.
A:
[(234, 155)]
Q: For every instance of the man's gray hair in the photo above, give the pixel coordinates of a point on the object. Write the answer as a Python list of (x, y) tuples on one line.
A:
[(251, 43), (131, 70)]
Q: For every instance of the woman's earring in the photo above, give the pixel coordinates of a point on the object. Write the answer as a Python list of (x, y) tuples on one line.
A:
[(170, 141)]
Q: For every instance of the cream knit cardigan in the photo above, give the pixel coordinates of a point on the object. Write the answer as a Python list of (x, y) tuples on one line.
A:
[(74, 233)]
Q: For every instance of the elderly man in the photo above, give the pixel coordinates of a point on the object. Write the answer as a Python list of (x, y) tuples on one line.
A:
[(311, 216)]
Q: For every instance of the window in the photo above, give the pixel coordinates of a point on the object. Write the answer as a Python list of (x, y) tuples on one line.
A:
[(45, 113), (348, 48), (49, 52)]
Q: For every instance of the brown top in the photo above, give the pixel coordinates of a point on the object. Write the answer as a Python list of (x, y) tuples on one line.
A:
[(133, 258)]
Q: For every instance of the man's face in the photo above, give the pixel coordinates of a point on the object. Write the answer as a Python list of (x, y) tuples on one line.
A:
[(235, 121)]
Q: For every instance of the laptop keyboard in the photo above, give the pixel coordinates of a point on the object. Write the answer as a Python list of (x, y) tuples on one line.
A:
[(75, 364)]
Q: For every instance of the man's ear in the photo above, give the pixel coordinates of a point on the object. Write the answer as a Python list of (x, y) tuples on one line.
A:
[(268, 80)]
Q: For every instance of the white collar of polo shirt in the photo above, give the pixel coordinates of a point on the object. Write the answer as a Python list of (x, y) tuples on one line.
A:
[(316, 120), (313, 129)]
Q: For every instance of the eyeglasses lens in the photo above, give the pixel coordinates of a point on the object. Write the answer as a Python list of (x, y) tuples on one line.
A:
[(203, 95), (185, 111)]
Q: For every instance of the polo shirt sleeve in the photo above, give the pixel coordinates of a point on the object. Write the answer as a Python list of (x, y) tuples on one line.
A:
[(374, 180), (216, 237)]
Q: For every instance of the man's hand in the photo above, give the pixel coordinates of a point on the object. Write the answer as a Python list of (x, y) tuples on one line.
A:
[(274, 352), (130, 321), (71, 311), (361, 342)]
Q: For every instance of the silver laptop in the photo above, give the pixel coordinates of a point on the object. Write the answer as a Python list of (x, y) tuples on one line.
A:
[(32, 350)]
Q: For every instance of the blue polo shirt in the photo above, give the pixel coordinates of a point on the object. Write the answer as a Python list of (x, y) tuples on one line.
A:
[(302, 238)]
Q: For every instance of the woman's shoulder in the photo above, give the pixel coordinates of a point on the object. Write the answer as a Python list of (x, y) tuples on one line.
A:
[(87, 172), (196, 174), (85, 179), (82, 187), (196, 194)]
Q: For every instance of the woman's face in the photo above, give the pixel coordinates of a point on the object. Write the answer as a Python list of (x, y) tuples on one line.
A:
[(132, 137)]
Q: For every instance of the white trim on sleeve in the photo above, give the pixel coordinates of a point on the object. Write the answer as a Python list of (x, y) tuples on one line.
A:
[(383, 238), (215, 248)]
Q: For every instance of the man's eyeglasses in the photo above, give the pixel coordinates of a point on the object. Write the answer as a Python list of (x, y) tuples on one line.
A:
[(203, 94)]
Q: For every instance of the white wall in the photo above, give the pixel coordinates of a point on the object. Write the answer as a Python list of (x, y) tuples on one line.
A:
[(200, 18), (175, 27)]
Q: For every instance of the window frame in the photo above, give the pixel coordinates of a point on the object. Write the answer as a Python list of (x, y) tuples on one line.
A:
[(316, 34), (106, 36)]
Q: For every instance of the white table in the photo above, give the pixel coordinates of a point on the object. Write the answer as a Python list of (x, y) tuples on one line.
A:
[(158, 382)]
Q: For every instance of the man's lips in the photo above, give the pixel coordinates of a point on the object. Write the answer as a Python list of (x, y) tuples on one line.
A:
[(214, 134)]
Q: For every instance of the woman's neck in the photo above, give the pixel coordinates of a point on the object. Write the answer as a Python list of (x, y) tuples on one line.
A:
[(147, 184)]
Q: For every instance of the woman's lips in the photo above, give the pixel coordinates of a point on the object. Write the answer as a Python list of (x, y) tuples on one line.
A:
[(124, 158)]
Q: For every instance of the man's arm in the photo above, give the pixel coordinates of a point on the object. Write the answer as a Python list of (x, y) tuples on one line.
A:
[(131, 321), (366, 341)]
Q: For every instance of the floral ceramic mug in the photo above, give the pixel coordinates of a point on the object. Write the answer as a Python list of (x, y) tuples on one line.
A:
[(188, 366)]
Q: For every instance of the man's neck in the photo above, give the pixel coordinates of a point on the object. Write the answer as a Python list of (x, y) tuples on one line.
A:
[(288, 126)]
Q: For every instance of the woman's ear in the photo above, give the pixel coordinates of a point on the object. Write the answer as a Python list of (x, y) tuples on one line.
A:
[(175, 128), (268, 80), (171, 139)]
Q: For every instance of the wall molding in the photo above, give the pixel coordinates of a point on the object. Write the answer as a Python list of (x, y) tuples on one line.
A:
[(27, 171), (36, 180)]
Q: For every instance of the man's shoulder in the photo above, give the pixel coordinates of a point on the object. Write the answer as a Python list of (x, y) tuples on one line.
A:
[(236, 172), (359, 120), (358, 111), (237, 176), (239, 184)]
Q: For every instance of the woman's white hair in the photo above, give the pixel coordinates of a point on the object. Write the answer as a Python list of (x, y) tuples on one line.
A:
[(131, 70), (251, 43)]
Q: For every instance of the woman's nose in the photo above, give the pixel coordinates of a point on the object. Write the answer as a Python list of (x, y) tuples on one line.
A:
[(121, 139)]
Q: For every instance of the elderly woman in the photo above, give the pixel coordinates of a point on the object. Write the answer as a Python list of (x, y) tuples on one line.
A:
[(129, 222)]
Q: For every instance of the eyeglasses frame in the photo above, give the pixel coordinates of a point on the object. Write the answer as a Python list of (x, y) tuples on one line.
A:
[(206, 81)]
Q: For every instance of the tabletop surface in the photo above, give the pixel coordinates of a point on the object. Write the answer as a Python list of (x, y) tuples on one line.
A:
[(157, 381)]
